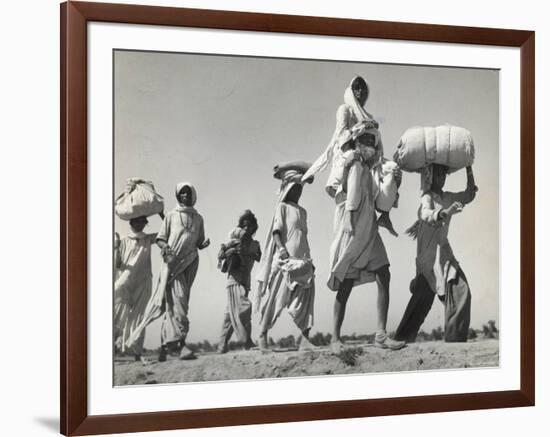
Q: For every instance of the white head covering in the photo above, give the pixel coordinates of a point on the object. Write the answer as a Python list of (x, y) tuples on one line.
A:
[(340, 137), (180, 186), (351, 100)]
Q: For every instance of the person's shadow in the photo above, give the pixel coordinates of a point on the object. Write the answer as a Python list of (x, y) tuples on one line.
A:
[(51, 423)]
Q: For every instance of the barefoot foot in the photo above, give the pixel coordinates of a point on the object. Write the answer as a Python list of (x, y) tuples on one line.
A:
[(336, 347), (384, 221)]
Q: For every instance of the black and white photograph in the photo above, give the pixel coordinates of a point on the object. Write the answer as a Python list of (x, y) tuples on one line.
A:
[(232, 218), (280, 218)]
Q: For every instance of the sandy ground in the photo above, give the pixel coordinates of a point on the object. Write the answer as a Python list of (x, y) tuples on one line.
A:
[(362, 358)]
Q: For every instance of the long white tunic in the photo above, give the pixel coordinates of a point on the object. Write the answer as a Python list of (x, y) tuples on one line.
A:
[(133, 286)]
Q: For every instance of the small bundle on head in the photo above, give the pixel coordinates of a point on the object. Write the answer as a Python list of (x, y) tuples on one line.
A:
[(290, 174), (292, 171), (139, 200), (447, 145)]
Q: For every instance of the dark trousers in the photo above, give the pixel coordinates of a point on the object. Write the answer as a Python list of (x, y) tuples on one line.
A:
[(457, 301)]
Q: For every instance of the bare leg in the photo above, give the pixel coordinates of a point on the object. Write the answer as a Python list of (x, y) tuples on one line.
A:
[(305, 344), (305, 333), (383, 302), (382, 340), (262, 343), (141, 359), (163, 353), (340, 308)]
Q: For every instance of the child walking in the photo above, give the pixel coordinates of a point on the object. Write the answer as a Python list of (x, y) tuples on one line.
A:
[(237, 257)]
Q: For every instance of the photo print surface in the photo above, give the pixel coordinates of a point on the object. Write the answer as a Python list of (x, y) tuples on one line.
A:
[(289, 218)]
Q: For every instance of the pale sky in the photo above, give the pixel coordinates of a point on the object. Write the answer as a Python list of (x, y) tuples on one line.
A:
[(223, 122)]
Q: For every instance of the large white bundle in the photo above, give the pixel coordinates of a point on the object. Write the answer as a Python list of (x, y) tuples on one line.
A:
[(140, 199), (388, 190), (448, 145)]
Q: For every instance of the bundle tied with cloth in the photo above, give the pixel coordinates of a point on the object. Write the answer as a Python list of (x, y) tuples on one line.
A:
[(296, 271), (420, 147), (139, 200), (447, 145)]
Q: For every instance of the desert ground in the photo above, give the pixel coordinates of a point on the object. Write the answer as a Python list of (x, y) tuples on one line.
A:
[(285, 363)]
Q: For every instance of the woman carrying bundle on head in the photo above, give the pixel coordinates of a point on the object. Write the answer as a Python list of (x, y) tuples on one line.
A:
[(237, 258), (286, 278), (133, 284), (133, 274)]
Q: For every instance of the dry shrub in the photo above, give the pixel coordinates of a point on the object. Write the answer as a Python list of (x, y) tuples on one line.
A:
[(349, 355)]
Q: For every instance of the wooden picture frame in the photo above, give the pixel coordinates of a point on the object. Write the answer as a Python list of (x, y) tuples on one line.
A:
[(75, 419)]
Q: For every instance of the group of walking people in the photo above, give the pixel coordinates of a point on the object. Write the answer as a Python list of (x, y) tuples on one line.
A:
[(286, 272)]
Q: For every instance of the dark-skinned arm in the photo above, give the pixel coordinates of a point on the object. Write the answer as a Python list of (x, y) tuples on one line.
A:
[(280, 245)]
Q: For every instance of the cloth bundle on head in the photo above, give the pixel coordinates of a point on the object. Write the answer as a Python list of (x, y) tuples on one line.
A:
[(291, 169), (140, 199), (290, 174), (448, 145), (342, 135)]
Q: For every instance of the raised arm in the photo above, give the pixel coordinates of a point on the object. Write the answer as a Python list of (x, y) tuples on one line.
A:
[(342, 123), (469, 194), (428, 212), (431, 214), (471, 187)]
